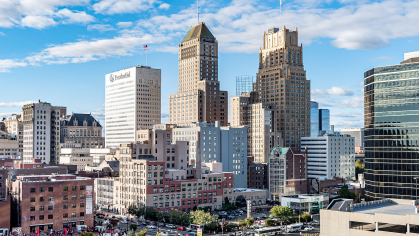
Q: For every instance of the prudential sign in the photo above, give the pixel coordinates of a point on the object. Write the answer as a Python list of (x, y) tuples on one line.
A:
[(113, 77)]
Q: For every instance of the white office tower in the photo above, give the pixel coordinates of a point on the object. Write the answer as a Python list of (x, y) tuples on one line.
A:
[(132, 102), (330, 156)]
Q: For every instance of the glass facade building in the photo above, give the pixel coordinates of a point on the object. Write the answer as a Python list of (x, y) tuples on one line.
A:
[(324, 121), (314, 122), (391, 116)]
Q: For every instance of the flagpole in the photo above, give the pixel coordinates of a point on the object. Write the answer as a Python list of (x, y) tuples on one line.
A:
[(146, 57)]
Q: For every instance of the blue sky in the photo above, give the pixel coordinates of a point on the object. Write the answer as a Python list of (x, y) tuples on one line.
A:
[(60, 50)]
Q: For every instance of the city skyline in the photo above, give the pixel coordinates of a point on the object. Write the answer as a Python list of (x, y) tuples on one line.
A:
[(98, 39)]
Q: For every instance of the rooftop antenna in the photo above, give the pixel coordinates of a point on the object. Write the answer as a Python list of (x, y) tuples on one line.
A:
[(280, 11), (197, 9)]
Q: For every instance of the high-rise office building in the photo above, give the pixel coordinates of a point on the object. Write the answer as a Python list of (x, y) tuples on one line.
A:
[(262, 134), (391, 108), (199, 98), (357, 133), (132, 102), (324, 121), (281, 81), (41, 132), (314, 119)]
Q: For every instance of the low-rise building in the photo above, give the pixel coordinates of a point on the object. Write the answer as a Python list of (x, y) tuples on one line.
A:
[(256, 196), (287, 172), (9, 146), (83, 157), (52, 202), (14, 125), (310, 203), (105, 190), (386, 217), (81, 129)]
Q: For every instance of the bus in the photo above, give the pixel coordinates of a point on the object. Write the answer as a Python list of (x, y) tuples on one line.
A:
[(295, 227), (269, 231)]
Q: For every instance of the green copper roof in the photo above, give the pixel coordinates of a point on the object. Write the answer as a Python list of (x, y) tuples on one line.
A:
[(281, 150), (200, 30)]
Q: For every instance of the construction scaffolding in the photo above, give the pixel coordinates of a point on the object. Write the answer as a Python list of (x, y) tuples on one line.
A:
[(244, 84)]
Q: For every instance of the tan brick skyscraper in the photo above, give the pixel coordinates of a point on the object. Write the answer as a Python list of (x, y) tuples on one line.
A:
[(199, 98), (281, 81)]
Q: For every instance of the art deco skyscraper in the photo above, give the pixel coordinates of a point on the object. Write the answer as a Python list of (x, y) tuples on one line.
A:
[(199, 98), (281, 81)]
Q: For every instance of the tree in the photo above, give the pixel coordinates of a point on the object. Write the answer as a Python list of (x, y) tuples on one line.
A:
[(131, 233), (195, 208), (281, 212), (142, 233), (359, 167), (133, 227), (269, 222), (306, 217), (249, 221), (199, 217)]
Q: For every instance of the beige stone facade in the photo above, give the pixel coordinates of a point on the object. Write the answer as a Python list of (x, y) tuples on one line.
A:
[(200, 98), (81, 129), (9, 147), (259, 117), (14, 125), (281, 81)]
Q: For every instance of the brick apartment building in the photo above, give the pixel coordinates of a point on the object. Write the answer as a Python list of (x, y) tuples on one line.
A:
[(257, 174), (287, 172), (54, 202)]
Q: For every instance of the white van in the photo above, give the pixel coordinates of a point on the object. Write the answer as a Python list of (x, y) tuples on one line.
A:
[(81, 227), (295, 227)]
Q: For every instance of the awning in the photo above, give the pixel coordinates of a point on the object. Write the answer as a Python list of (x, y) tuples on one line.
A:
[(41, 224), (74, 221)]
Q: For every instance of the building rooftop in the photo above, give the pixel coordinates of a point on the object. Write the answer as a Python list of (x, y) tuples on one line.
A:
[(80, 118), (198, 31), (243, 190), (282, 150), (390, 208)]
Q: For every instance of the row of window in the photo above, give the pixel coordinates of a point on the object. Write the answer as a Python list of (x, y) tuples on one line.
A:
[(65, 206), (50, 217), (65, 197), (51, 189)]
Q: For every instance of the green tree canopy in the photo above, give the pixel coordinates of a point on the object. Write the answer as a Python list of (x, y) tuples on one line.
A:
[(306, 217), (133, 227), (281, 212), (200, 217), (142, 233), (249, 221)]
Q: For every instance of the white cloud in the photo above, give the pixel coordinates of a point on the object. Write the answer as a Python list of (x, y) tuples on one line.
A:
[(71, 17), (112, 7), (101, 27), (124, 24), (164, 6), (38, 22), (2, 34), (332, 91), (15, 104), (355, 102), (85, 51), (6, 64)]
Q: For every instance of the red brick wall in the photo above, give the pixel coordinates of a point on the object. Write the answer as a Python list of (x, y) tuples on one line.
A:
[(58, 203), (5, 213)]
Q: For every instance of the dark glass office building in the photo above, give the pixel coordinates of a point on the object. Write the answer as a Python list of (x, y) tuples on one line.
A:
[(391, 104), (324, 121), (314, 119)]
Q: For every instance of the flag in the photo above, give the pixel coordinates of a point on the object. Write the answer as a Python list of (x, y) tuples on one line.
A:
[(280, 2), (38, 231), (145, 47)]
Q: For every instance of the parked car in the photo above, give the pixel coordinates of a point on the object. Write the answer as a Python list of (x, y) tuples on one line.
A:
[(151, 227), (230, 217), (161, 224), (309, 228), (181, 228), (170, 226), (192, 234)]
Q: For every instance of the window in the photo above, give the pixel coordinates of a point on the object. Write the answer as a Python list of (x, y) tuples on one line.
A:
[(73, 214), (82, 204), (32, 218), (32, 208), (82, 196), (65, 206), (32, 199), (74, 188), (50, 189), (73, 205), (50, 208), (82, 187), (41, 199), (41, 190), (50, 217), (41, 208), (65, 188), (32, 190), (65, 197), (50, 199), (41, 217), (81, 213), (65, 215)]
